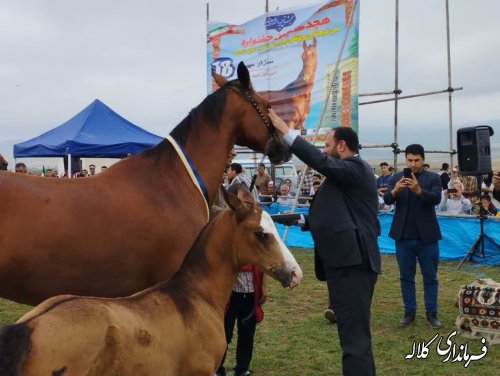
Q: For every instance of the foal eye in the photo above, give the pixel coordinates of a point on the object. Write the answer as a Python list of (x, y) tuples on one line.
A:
[(261, 235)]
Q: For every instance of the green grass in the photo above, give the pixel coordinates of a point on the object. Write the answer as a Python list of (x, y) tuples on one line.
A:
[(295, 340)]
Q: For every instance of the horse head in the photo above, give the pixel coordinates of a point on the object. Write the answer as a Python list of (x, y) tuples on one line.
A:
[(309, 61), (3, 163), (258, 242), (255, 127)]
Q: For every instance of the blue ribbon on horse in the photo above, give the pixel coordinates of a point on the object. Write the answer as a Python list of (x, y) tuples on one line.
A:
[(195, 172)]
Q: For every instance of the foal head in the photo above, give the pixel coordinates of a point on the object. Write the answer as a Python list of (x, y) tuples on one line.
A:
[(255, 127), (257, 242)]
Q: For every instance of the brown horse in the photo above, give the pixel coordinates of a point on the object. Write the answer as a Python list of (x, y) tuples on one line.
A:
[(293, 102), (121, 231), (3, 163), (174, 328)]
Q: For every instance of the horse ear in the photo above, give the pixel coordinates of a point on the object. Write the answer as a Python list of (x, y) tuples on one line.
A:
[(245, 195), (244, 76), (314, 42), (218, 78), (234, 202)]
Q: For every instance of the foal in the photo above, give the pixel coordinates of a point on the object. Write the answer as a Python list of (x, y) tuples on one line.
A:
[(174, 328)]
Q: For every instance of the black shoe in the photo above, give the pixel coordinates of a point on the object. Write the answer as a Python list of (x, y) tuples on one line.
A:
[(330, 316), (408, 318), (433, 320), (242, 373)]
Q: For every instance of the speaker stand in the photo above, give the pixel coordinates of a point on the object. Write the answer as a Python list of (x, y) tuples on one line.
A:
[(478, 244)]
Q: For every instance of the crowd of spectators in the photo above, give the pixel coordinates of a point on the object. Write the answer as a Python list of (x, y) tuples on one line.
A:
[(461, 194), (21, 168)]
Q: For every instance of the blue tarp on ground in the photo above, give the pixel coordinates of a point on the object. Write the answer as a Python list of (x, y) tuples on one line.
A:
[(458, 235), (97, 131)]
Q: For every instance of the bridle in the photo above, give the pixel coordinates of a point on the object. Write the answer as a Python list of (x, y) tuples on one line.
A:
[(269, 125)]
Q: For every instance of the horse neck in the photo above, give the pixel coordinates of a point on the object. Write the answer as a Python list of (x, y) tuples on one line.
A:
[(208, 142), (209, 271)]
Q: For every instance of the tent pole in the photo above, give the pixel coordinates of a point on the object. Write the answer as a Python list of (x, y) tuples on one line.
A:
[(69, 166)]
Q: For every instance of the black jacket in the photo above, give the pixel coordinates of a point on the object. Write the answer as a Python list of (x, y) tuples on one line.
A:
[(425, 213), (343, 214)]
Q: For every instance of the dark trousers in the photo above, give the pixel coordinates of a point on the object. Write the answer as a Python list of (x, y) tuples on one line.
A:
[(351, 291), (241, 309), (408, 252)]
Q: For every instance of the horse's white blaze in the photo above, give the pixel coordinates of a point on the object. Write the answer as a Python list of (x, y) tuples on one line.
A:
[(291, 264)]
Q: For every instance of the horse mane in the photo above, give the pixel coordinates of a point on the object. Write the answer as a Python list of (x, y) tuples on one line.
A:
[(195, 258), (15, 344), (209, 111)]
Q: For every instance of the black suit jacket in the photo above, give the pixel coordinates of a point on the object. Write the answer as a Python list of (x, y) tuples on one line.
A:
[(425, 213), (343, 214)]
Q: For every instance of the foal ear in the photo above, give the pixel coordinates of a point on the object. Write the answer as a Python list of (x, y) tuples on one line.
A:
[(245, 195), (233, 201), (218, 78), (244, 76)]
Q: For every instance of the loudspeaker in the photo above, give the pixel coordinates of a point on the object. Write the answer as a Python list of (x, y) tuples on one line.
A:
[(474, 153)]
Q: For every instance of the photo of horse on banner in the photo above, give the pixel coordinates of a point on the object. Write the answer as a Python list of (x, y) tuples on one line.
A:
[(293, 102), (126, 229)]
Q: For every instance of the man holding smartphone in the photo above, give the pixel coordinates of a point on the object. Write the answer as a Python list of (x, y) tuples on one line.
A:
[(415, 229)]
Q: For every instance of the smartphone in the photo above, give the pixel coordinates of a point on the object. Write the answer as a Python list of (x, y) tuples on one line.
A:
[(452, 190), (407, 173)]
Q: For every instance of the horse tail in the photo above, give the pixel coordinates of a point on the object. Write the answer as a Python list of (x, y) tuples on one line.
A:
[(15, 344)]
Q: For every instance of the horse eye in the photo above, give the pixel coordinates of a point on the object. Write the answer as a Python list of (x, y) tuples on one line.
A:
[(261, 235)]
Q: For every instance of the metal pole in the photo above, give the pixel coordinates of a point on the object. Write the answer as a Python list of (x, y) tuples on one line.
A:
[(396, 88), (377, 93), (267, 6), (70, 175), (208, 12), (450, 119), (413, 95)]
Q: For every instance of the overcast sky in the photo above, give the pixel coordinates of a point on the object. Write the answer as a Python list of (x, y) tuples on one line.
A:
[(146, 60)]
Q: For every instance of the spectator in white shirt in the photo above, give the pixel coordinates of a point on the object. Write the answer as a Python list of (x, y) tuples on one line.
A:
[(453, 202), (284, 197)]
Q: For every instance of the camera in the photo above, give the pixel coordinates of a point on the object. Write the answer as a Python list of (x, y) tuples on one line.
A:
[(452, 190), (407, 173)]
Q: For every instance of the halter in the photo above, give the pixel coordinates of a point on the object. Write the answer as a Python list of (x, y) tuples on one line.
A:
[(269, 125), (255, 105)]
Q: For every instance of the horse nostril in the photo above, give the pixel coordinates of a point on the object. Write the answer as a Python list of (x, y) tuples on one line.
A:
[(295, 278)]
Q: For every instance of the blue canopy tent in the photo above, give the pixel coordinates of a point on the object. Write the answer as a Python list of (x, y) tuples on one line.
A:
[(96, 132)]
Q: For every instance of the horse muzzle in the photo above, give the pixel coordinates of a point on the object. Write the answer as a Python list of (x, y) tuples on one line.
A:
[(289, 277), (279, 152)]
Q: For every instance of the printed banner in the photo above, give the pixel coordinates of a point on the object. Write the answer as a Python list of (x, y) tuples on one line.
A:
[(291, 55)]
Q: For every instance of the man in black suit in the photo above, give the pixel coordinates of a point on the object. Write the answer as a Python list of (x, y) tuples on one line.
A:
[(344, 225), (416, 232)]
